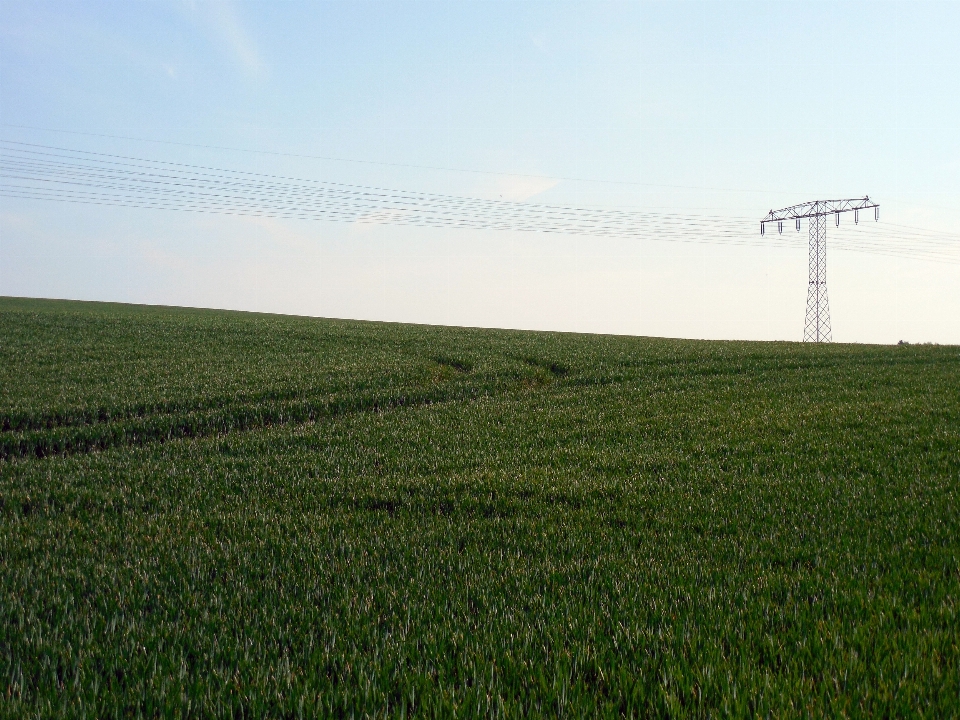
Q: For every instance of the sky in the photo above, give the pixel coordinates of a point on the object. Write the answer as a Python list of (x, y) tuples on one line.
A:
[(720, 109)]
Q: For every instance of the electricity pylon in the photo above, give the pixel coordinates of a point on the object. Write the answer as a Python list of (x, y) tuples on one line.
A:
[(817, 325)]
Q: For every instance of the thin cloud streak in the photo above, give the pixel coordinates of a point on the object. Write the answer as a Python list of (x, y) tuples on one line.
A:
[(224, 22)]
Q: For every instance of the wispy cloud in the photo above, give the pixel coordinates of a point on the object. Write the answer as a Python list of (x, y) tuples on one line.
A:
[(223, 21), (539, 41), (513, 188), (16, 222), (519, 187)]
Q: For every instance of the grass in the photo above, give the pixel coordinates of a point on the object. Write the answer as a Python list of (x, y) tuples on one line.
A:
[(213, 513)]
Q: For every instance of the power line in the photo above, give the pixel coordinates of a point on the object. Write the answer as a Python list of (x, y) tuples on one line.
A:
[(199, 179), (52, 173), (114, 158), (219, 173), (332, 158)]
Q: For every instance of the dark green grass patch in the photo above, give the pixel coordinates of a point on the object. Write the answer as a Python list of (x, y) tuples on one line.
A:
[(662, 528)]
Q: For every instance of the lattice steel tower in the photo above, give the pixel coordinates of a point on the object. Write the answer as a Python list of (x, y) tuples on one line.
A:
[(817, 325)]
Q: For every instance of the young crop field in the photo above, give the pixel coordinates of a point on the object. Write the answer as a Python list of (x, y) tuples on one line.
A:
[(208, 513)]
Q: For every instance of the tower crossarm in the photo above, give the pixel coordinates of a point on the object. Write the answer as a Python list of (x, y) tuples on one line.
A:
[(816, 208)]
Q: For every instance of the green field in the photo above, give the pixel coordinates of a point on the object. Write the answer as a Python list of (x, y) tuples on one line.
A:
[(216, 513)]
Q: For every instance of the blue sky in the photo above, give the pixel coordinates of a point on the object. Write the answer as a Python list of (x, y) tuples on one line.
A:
[(719, 108)]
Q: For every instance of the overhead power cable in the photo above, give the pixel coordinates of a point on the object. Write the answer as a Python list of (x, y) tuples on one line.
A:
[(332, 158), (41, 172)]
